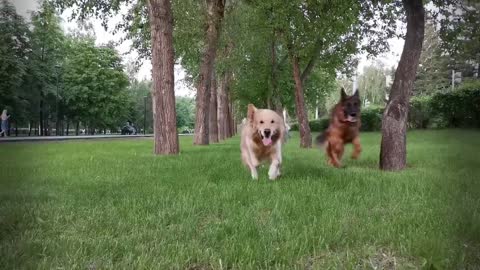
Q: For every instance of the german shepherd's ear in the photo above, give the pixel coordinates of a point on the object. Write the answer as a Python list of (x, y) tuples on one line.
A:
[(357, 94), (343, 94), (251, 112)]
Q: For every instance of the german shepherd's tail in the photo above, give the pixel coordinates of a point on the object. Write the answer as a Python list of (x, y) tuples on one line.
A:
[(321, 139)]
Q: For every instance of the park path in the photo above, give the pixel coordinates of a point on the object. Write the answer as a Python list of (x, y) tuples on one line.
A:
[(64, 138)]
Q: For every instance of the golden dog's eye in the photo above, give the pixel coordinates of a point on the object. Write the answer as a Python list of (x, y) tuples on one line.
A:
[(261, 122), (272, 122)]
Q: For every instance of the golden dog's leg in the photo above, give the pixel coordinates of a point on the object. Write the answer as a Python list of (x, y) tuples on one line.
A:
[(273, 170), (252, 163), (276, 159), (254, 172), (357, 148)]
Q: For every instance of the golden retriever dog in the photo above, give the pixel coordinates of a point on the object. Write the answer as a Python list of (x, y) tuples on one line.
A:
[(262, 137)]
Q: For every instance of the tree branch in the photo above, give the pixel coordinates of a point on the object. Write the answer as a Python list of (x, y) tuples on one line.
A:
[(311, 64)]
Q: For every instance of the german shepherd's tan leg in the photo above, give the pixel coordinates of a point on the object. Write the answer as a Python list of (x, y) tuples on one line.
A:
[(357, 148), (335, 152)]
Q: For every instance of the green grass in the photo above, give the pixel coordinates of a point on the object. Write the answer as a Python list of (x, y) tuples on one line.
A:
[(113, 205)]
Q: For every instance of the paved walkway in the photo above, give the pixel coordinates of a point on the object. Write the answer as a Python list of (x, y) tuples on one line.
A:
[(63, 138)]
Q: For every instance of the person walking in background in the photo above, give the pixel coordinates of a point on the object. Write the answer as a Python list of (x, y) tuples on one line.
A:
[(4, 118)]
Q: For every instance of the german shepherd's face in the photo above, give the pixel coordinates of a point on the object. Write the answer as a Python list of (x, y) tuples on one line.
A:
[(351, 106)]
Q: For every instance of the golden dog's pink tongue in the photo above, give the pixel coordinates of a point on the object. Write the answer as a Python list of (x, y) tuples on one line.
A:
[(267, 141)]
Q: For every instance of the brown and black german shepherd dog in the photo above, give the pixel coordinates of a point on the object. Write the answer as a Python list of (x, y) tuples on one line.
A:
[(344, 128)]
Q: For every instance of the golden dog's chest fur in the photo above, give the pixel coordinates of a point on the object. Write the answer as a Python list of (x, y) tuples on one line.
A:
[(261, 151)]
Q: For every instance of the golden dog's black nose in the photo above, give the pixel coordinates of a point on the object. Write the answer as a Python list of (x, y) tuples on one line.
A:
[(267, 132)]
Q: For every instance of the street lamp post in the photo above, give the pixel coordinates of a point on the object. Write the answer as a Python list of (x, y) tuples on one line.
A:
[(144, 114)]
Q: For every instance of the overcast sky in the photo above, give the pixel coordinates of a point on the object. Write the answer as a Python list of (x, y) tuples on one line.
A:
[(181, 88)]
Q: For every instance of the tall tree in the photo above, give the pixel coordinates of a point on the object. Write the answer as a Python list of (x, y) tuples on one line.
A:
[(149, 24), (214, 15), (372, 84), (310, 36), (96, 85), (213, 120), (433, 71), (14, 48), (393, 151), (161, 26), (185, 112), (47, 41)]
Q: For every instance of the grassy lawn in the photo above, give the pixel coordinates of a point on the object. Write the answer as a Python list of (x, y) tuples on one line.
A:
[(113, 205)]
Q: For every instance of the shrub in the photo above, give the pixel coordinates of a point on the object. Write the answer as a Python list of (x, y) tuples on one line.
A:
[(372, 118), (319, 124), (419, 115), (469, 85), (460, 108), (294, 127), (315, 125)]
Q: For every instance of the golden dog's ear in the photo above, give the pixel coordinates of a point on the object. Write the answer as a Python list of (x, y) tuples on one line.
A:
[(251, 112)]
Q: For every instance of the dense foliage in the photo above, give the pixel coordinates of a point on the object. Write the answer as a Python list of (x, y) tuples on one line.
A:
[(458, 109)]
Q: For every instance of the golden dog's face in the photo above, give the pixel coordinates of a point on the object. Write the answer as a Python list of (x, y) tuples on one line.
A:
[(267, 124)]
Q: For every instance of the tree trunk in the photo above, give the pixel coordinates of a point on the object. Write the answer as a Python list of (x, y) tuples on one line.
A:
[(41, 116), (226, 104), (232, 119), (30, 128), (213, 123), (228, 122), (165, 126), (68, 127), (57, 123), (47, 124), (215, 10), (77, 128), (221, 115), (277, 105), (393, 151), (304, 128)]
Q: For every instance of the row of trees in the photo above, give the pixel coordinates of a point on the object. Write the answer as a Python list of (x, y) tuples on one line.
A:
[(51, 81), (255, 46), (276, 54), (48, 77)]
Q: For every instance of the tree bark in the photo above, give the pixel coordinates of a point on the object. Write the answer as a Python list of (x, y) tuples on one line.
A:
[(393, 151), (213, 123), (165, 126), (277, 105), (221, 115), (77, 128), (304, 128), (232, 119), (215, 11), (228, 121), (41, 116), (224, 106), (68, 127), (313, 60)]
